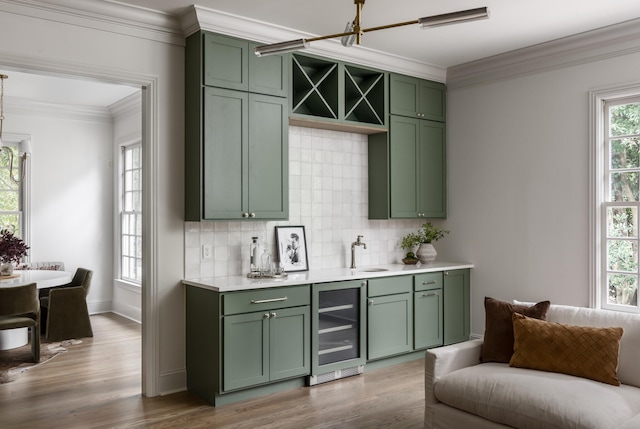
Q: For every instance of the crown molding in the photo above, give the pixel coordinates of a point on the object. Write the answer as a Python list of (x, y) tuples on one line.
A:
[(596, 45), (127, 106), (109, 16), (21, 106), (199, 18)]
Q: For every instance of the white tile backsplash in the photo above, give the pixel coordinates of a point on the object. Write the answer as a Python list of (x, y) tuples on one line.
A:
[(328, 194)]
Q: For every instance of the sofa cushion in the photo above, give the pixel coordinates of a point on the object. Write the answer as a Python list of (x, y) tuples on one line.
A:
[(629, 344), (498, 333), (575, 350), (527, 398)]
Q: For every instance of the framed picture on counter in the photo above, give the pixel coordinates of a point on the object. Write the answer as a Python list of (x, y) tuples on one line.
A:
[(292, 248)]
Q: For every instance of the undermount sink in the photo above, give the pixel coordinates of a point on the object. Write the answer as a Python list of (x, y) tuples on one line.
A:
[(373, 270)]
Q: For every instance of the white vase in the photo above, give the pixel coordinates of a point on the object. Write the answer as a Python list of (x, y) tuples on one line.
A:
[(6, 268), (426, 253)]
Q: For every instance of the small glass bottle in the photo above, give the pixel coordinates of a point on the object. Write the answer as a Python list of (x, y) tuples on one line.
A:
[(265, 261), (254, 254)]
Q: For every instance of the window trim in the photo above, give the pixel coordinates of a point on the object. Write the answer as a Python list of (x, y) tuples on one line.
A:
[(135, 140), (14, 139), (597, 192)]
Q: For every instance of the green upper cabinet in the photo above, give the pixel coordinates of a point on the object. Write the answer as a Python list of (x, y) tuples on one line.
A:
[(407, 165), (334, 93), (230, 63), (245, 156), (236, 131), (407, 173), (417, 98)]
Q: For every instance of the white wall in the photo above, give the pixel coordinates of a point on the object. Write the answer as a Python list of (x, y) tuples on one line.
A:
[(518, 175), (71, 194), (124, 53)]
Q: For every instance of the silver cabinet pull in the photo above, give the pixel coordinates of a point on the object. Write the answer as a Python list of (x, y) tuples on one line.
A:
[(371, 302), (252, 215), (273, 315), (430, 282), (264, 301), (266, 315), (429, 294), (245, 214), (446, 273)]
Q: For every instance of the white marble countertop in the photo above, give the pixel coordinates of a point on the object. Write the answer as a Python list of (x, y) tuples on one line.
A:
[(238, 283)]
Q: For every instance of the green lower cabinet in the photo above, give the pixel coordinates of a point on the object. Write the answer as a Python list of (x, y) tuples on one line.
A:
[(389, 317), (457, 318), (265, 346), (427, 312), (246, 350)]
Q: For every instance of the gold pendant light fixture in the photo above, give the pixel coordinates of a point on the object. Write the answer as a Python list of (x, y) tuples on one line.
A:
[(354, 31)]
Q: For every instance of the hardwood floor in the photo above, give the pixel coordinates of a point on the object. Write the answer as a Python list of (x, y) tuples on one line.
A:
[(96, 384)]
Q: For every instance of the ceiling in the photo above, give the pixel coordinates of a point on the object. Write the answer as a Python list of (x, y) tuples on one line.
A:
[(512, 25), (33, 87)]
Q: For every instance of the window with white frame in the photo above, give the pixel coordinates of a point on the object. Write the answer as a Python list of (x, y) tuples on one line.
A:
[(131, 214), (11, 193), (619, 202)]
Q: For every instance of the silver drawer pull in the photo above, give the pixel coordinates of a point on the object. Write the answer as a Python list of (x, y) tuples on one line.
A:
[(429, 294), (430, 282), (264, 301)]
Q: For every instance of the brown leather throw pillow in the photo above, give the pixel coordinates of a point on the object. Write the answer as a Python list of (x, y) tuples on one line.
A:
[(582, 351)]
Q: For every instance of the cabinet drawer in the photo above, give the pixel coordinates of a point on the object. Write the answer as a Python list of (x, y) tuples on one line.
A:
[(389, 286), (428, 281), (265, 299)]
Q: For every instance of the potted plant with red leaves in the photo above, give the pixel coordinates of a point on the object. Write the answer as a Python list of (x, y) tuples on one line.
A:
[(12, 250)]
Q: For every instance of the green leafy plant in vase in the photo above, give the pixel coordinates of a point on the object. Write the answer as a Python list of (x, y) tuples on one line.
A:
[(408, 243), (12, 250), (426, 235)]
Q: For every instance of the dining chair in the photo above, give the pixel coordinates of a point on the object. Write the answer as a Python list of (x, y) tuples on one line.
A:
[(20, 308), (67, 314)]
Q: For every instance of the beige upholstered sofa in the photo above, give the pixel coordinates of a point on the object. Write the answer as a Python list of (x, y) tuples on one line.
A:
[(461, 392)]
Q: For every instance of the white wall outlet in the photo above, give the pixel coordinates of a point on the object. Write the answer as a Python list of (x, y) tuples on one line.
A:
[(207, 251)]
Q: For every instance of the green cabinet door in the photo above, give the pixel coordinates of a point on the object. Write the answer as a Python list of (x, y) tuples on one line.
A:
[(417, 98), (268, 75), (404, 134), (225, 187), (262, 347), (245, 156), (226, 62), (432, 194), (389, 317), (389, 325), (456, 300), (268, 158), (417, 168), (245, 350), (231, 63), (289, 343), (427, 313)]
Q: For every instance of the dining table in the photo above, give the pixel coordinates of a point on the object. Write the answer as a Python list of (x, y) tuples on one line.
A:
[(12, 338)]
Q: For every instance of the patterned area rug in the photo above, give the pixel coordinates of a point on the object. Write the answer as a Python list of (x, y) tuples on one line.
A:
[(16, 361)]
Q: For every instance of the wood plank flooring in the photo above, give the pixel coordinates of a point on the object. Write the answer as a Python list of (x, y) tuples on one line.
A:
[(96, 384)]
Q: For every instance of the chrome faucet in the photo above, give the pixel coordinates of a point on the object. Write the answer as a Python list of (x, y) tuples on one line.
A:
[(353, 250)]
